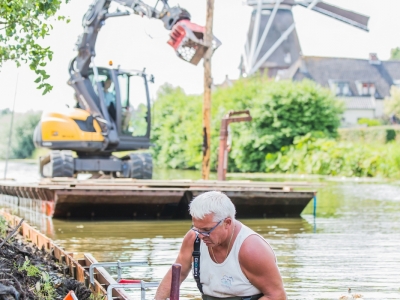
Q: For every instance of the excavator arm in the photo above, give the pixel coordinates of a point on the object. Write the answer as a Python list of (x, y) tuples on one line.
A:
[(97, 14), (186, 39)]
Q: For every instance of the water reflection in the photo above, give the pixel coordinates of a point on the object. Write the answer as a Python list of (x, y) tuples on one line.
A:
[(353, 242)]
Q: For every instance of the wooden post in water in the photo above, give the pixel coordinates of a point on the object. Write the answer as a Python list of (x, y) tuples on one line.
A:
[(207, 92), (175, 281)]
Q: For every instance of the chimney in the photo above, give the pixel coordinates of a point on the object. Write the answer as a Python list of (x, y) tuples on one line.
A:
[(373, 59)]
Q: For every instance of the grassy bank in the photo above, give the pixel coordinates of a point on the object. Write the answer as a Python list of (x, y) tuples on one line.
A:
[(324, 156)]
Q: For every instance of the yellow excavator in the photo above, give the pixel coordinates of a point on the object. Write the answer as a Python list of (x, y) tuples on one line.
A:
[(113, 105)]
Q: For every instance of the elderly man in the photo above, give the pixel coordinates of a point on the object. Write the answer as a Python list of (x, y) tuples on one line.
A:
[(235, 262)]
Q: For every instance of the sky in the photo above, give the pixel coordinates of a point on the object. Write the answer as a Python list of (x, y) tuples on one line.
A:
[(136, 43)]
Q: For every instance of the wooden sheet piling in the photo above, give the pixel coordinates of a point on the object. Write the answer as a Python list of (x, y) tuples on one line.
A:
[(78, 268)]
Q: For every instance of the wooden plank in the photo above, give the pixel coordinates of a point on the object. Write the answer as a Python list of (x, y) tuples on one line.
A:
[(167, 183)]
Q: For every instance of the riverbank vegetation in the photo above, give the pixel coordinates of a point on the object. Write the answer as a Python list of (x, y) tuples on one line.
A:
[(22, 134), (280, 110), (314, 154), (295, 129)]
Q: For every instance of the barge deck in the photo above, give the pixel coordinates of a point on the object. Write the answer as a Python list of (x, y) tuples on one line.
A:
[(163, 199)]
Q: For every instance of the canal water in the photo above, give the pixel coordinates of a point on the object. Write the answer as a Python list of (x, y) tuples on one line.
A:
[(353, 242)]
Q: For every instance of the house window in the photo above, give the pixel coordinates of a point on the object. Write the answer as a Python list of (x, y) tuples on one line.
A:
[(366, 88), (340, 88)]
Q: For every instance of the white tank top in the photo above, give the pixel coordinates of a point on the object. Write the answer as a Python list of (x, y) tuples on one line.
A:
[(226, 279)]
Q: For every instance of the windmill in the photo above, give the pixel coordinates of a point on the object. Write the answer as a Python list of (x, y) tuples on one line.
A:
[(272, 41)]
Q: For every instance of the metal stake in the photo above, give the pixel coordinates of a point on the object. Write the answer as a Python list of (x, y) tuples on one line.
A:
[(175, 281), (315, 206), (11, 127)]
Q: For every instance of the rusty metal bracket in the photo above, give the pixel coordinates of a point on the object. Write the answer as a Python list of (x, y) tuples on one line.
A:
[(223, 139)]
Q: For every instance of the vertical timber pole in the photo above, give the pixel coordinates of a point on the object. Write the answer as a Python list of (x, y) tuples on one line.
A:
[(223, 151), (207, 92)]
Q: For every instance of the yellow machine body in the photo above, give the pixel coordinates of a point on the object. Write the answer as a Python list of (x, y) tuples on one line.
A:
[(74, 129), (58, 126)]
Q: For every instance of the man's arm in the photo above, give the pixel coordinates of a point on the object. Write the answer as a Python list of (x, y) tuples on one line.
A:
[(185, 259), (257, 261)]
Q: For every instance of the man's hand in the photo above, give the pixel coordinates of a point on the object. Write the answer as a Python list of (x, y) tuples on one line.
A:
[(185, 259)]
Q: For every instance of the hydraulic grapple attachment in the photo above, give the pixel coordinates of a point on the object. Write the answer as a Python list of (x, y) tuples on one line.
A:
[(187, 39)]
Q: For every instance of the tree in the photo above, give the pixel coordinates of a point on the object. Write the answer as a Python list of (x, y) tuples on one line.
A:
[(22, 144), (22, 24), (280, 110), (395, 54), (5, 111), (392, 103)]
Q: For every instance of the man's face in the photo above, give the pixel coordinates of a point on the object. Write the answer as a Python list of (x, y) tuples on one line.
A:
[(208, 224), (107, 84)]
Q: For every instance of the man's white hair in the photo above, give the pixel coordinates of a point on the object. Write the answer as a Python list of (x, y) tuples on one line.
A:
[(213, 202)]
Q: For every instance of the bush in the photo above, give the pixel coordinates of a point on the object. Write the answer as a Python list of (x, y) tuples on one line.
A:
[(370, 135), (281, 111), (22, 139), (176, 132), (325, 156), (369, 122), (392, 103)]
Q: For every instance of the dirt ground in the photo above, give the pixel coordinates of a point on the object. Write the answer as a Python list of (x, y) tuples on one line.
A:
[(27, 272)]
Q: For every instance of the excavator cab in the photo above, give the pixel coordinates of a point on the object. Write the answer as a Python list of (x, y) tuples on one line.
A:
[(126, 98), (122, 96)]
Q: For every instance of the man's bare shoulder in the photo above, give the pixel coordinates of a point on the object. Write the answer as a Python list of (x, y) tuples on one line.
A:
[(188, 240), (258, 263), (256, 249)]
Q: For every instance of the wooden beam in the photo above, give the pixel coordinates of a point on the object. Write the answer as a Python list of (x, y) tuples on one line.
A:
[(207, 92)]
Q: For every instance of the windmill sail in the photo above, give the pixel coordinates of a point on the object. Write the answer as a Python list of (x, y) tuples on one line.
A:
[(272, 41), (346, 16)]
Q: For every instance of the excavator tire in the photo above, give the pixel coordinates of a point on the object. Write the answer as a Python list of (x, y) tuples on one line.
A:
[(136, 166), (147, 172), (68, 163), (62, 164)]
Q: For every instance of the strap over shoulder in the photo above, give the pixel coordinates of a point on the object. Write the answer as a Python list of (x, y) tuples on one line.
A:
[(196, 263)]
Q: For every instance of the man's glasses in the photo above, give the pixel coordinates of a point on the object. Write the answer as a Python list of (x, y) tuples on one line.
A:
[(205, 233)]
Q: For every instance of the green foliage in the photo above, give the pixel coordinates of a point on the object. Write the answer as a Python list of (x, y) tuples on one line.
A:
[(395, 54), (281, 111), (31, 270), (22, 24), (369, 122), (97, 297), (23, 146), (3, 227), (392, 103), (44, 288), (326, 156), (5, 111), (176, 129), (370, 135)]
